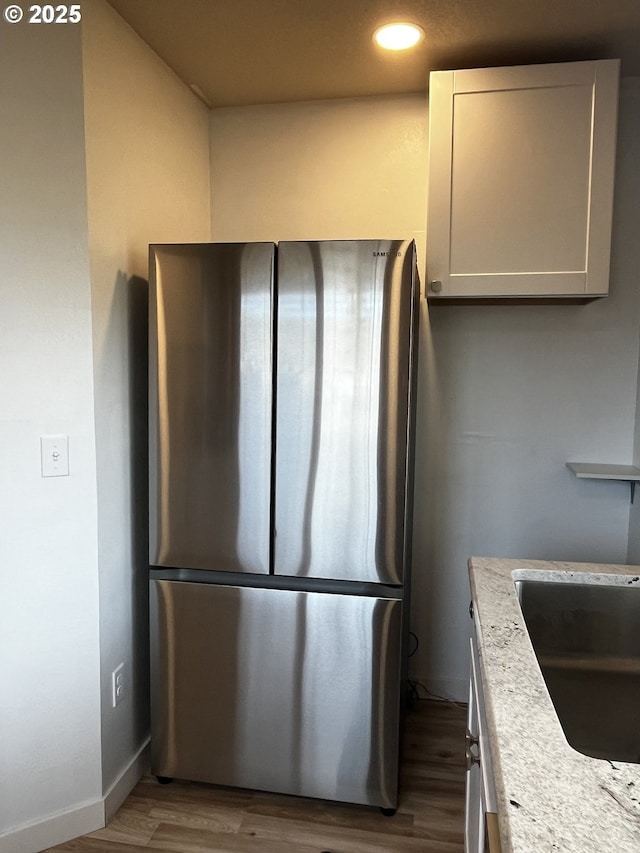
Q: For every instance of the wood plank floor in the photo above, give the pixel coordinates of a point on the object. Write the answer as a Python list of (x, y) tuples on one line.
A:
[(188, 817)]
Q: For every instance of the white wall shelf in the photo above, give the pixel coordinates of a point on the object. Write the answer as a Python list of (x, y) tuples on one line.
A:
[(602, 471)]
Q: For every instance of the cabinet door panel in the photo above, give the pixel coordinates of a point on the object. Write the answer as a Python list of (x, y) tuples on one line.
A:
[(481, 832), (474, 813), (499, 188), (521, 180)]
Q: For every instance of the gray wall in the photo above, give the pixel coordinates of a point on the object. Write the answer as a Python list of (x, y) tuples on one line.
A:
[(507, 394), (629, 247), (92, 171), (49, 643), (147, 148)]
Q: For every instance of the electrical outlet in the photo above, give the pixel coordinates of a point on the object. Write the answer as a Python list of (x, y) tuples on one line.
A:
[(118, 685)]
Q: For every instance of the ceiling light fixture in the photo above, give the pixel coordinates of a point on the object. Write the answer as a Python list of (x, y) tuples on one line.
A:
[(398, 36)]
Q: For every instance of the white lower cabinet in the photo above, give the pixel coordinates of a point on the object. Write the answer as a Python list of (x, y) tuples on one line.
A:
[(481, 833)]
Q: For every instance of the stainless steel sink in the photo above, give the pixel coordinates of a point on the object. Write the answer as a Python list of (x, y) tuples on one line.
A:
[(587, 641)]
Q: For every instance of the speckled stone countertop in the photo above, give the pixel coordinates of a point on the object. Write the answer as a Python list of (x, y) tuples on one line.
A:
[(550, 797)]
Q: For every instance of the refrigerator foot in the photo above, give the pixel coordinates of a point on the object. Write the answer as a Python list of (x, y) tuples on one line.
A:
[(165, 780), (388, 812)]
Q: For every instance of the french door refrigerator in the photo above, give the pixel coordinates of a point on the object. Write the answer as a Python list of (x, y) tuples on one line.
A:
[(281, 389)]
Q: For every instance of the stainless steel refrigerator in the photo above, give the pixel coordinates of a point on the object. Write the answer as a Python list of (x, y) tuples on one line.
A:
[(282, 381)]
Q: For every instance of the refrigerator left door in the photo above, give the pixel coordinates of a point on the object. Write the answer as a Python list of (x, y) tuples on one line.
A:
[(210, 405)]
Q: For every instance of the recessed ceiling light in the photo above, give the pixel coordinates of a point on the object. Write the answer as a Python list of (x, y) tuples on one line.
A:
[(398, 36)]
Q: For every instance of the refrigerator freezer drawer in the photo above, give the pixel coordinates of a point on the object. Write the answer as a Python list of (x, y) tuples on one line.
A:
[(276, 690)]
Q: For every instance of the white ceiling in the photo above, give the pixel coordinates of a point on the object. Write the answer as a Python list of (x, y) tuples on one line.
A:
[(241, 52)]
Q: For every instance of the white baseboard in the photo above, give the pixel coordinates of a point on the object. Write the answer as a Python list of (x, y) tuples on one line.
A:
[(80, 820), (54, 829), (126, 782)]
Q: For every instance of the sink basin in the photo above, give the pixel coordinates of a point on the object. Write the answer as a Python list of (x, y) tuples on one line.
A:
[(587, 641)]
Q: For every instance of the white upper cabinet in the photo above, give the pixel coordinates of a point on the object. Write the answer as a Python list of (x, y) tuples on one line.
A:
[(521, 171)]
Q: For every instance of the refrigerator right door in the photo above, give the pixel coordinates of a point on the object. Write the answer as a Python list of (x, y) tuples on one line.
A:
[(345, 356)]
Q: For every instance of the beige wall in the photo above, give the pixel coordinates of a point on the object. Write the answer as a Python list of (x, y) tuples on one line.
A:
[(322, 170), (147, 148)]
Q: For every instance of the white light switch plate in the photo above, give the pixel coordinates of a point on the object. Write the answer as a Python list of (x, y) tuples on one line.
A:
[(54, 455)]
